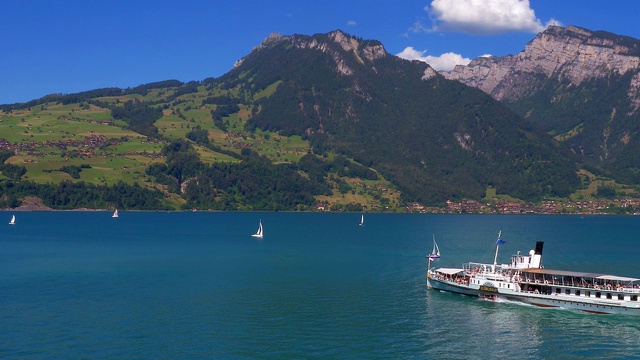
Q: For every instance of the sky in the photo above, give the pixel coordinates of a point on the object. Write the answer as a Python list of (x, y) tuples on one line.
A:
[(51, 46)]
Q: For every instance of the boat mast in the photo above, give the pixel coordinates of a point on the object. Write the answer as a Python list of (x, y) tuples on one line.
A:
[(429, 260), (495, 259)]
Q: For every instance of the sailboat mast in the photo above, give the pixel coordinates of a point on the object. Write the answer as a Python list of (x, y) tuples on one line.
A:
[(435, 253)]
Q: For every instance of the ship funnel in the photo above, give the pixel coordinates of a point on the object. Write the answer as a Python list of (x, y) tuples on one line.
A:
[(539, 246), (536, 258)]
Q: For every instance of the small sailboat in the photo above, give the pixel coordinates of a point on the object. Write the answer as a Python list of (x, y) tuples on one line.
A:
[(13, 220), (362, 220), (115, 214), (260, 232), (435, 253)]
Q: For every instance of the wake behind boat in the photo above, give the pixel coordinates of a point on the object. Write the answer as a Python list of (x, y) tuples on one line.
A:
[(525, 280)]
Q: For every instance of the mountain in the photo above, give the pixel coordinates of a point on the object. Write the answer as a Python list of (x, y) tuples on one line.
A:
[(329, 118), (436, 139), (580, 86)]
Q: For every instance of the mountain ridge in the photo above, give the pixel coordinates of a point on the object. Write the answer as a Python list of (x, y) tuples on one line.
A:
[(570, 54)]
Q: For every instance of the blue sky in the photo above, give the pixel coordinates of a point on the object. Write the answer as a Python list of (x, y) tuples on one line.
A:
[(77, 45)]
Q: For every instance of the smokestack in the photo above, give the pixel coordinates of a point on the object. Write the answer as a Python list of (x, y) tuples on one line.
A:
[(536, 255)]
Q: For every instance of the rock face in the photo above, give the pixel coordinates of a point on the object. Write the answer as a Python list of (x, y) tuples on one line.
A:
[(569, 55), (362, 50)]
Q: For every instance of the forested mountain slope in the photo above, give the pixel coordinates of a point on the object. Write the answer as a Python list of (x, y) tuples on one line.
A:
[(436, 139)]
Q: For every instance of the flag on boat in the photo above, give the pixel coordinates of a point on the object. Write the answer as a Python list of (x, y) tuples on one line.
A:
[(500, 242)]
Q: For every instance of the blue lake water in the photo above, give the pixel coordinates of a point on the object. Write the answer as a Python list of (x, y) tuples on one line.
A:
[(154, 285)]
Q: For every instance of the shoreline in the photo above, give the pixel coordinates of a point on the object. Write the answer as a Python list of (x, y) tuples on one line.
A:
[(46, 209)]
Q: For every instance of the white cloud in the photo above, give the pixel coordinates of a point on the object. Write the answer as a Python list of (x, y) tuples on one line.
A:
[(351, 23), (446, 61), (482, 17)]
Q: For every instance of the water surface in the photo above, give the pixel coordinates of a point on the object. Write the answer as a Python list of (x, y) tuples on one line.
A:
[(160, 285)]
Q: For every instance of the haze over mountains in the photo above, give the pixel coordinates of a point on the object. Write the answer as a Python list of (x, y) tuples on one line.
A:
[(525, 125)]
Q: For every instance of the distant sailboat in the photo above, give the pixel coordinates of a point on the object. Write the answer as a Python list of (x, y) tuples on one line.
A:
[(362, 220), (13, 220), (260, 232), (435, 253), (115, 213)]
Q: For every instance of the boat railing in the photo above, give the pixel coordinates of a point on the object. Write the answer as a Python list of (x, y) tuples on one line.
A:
[(581, 283), (452, 279), (474, 268)]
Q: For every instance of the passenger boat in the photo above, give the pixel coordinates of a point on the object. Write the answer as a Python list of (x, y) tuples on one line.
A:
[(526, 280)]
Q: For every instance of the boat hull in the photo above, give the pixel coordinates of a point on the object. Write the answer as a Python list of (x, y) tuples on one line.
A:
[(540, 300), (565, 302), (453, 287)]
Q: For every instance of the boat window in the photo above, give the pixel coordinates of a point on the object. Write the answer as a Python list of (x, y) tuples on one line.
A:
[(634, 297), (620, 297), (577, 292), (558, 290), (598, 294), (587, 293), (608, 295), (567, 291)]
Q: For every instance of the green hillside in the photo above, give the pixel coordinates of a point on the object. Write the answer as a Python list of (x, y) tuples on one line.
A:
[(125, 136)]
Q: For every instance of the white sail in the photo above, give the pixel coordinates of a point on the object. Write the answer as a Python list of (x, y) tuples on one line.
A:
[(435, 253), (13, 220), (362, 220), (115, 214), (260, 232)]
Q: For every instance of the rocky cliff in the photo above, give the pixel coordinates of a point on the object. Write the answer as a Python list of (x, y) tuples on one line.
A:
[(569, 55), (369, 50), (580, 86)]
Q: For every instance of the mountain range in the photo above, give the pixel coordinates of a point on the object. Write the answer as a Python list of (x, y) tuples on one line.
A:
[(528, 126)]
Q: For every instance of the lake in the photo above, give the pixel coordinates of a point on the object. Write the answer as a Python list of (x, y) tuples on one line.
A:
[(156, 285)]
